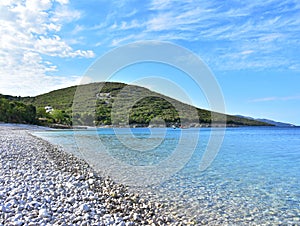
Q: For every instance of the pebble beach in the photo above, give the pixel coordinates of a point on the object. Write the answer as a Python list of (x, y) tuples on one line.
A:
[(40, 184)]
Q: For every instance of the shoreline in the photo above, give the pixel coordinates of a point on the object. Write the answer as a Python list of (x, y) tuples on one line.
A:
[(63, 127), (42, 184)]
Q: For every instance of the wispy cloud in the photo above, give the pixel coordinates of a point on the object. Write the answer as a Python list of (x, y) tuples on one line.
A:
[(228, 35), (265, 30), (268, 99), (247, 52)]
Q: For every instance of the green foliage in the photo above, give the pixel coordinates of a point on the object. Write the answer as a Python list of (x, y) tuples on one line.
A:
[(91, 108), (153, 107), (16, 112), (87, 119), (57, 116), (41, 112), (61, 99)]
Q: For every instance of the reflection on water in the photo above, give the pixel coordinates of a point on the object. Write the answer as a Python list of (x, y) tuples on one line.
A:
[(255, 178)]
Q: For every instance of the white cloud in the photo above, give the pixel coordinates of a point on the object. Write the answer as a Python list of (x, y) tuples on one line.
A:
[(247, 52), (29, 32), (276, 98), (54, 46), (30, 84), (160, 4), (118, 41), (253, 34), (131, 13), (230, 36), (267, 99), (38, 5), (264, 99), (63, 2), (27, 75), (64, 14), (131, 25)]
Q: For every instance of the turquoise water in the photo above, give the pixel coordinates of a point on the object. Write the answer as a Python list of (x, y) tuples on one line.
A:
[(254, 179)]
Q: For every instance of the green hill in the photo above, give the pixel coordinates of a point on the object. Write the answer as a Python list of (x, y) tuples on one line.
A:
[(59, 99), (118, 103)]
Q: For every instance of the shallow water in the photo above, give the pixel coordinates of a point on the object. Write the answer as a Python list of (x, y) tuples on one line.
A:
[(254, 179)]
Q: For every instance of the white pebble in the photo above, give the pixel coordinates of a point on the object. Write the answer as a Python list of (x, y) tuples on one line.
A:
[(43, 213), (84, 208)]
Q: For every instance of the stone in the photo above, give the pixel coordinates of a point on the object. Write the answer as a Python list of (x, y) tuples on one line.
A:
[(71, 200), (84, 208), (41, 184), (69, 185), (136, 216), (43, 213), (3, 209), (122, 223)]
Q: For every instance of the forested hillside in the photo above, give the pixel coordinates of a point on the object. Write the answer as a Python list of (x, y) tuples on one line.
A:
[(96, 103), (16, 112)]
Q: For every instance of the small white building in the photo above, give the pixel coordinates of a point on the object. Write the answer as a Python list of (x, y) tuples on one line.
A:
[(48, 109)]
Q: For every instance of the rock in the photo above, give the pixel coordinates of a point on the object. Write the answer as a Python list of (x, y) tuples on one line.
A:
[(60, 210), (84, 208), (76, 219), (122, 223), (40, 184), (92, 175), (136, 216), (84, 223), (69, 185), (17, 223), (107, 216), (118, 219), (3, 209), (17, 217), (43, 213), (91, 181), (71, 200)]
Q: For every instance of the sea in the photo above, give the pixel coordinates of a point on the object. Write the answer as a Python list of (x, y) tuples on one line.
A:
[(251, 177)]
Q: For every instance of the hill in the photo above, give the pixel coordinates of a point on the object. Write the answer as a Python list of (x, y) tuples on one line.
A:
[(272, 122), (95, 104), (275, 123)]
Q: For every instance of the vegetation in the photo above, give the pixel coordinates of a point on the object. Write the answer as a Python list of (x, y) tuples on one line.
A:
[(17, 112), (113, 104)]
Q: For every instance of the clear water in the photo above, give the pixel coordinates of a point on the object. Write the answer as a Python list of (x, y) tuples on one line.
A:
[(254, 179)]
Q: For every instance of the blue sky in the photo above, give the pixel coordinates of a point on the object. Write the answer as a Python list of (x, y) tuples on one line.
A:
[(252, 47)]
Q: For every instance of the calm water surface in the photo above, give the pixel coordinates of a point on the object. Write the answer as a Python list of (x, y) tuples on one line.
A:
[(255, 178)]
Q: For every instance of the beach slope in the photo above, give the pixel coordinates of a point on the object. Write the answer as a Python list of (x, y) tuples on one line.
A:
[(40, 184)]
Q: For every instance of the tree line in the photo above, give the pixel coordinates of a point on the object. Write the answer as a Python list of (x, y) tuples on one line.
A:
[(12, 111), (17, 112)]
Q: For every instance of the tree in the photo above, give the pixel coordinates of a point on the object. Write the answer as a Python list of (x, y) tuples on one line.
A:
[(57, 116), (41, 112), (88, 119), (17, 112)]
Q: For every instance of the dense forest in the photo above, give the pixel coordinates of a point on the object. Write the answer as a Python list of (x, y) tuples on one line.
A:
[(114, 104), (17, 112)]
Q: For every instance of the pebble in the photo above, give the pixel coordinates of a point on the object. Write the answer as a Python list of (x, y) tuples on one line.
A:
[(84, 208), (43, 213), (40, 184)]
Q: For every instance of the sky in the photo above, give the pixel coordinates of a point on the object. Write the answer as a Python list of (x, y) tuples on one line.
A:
[(251, 47)]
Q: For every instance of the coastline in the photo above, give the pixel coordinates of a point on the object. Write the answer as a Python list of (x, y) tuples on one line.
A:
[(42, 184)]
